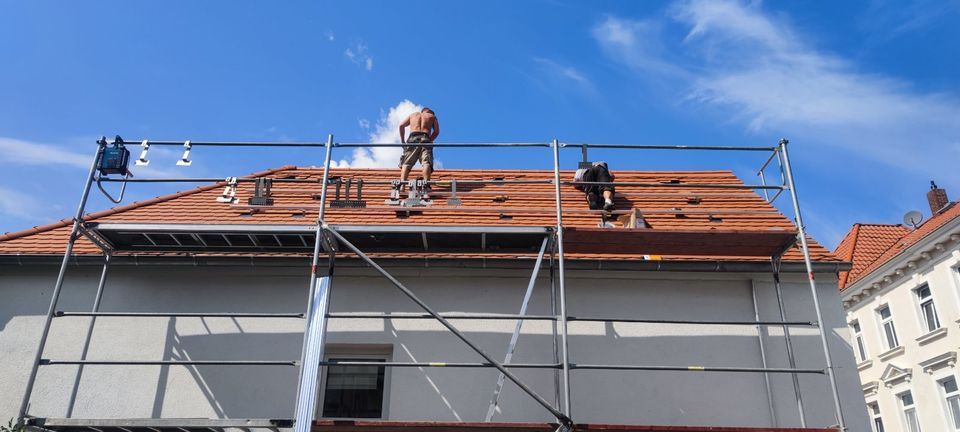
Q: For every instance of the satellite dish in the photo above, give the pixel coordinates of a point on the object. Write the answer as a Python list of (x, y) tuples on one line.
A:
[(913, 218)]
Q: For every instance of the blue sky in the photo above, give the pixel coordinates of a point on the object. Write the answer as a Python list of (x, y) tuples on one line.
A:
[(867, 92)]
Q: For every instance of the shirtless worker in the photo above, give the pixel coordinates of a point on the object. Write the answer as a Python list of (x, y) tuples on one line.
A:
[(424, 129)]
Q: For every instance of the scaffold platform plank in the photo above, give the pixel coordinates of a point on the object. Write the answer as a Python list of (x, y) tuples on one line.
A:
[(406, 426), (153, 425)]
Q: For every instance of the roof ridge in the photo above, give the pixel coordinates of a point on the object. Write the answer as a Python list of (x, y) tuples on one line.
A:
[(844, 276), (880, 224), (136, 204)]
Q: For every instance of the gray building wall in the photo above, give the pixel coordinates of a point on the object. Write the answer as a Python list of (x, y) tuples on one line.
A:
[(627, 397)]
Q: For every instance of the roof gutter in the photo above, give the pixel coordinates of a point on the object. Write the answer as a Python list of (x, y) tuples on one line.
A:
[(494, 263)]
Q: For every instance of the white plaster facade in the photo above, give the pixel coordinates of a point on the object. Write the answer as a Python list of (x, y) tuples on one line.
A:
[(924, 357), (627, 397)]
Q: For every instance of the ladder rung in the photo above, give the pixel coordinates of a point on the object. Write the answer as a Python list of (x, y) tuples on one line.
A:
[(182, 314)]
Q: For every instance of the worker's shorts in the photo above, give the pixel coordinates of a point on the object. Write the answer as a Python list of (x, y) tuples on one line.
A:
[(412, 154)]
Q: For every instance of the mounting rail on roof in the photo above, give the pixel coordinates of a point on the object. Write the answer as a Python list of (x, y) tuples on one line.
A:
[(321, 236)]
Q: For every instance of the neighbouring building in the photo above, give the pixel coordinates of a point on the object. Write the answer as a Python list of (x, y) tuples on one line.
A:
[(902, 301), (690, 254)]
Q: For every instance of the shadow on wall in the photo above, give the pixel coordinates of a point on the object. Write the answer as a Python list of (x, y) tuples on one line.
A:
[(231, 390), (464, 394)]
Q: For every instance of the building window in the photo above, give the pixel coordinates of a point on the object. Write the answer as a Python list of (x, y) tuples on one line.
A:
[(910, 420), (927, 309), (858, 341), (875, 418), (889, 332), (354, 391), (952, 397)]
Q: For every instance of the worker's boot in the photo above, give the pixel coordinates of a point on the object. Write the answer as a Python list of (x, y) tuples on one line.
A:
[(608, 206)]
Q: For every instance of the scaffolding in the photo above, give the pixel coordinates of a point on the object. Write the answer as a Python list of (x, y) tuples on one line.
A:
[(323, 240)]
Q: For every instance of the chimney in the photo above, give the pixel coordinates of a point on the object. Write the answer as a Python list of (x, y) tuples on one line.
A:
[(937, 198)]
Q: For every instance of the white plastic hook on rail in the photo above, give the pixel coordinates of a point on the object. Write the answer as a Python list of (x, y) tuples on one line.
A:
[(185, 159), (229, 194), (142, 160)]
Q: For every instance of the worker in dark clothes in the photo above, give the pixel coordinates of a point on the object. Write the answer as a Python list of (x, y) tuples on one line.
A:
[(598, 196)]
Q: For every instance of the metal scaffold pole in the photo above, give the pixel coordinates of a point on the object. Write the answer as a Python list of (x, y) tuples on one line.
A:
[(553, 330), (494, 401), (561, 276), (58, 286), (86, 341), (791, 359), (317, 307), (763, 354), (561, 417), (804, 247)]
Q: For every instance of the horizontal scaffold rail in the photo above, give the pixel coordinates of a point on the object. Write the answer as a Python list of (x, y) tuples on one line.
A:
[(690, 368), (477, 316), (447, 144), (444, 182), (180, 314), (172, 362), (152, 424)]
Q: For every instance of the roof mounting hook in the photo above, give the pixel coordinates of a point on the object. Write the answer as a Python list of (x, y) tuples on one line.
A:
[(229, 194), (142, 160), (185, 159), (584, 160)]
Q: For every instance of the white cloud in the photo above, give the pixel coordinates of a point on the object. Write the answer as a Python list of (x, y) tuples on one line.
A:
[(385, 131), (762, 71), (363, 123), (555, 70), (360, 55), (21, 152), (19, 205), (329, 35)]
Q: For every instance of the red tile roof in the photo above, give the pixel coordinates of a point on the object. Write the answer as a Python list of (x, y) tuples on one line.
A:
[(864, 244), (869, 246), (664, 208)]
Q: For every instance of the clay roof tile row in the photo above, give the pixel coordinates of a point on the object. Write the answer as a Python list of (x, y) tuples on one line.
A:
[(664, 207)]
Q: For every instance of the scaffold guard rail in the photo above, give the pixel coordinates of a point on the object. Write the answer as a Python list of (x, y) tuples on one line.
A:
[(322, 240)]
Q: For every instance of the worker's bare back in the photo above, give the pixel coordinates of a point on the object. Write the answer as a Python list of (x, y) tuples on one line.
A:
[(422, 122)]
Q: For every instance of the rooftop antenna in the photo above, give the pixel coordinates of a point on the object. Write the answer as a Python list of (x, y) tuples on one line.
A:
[(913, 218)]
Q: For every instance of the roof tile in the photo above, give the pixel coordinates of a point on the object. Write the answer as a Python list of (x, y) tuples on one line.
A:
[(664, 208)]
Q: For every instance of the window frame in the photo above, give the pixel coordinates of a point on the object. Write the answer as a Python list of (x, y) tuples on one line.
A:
[(859, 342), (905, 408), (873, 410), (922, 312), (377, 353), (883, 330), (951, 422)]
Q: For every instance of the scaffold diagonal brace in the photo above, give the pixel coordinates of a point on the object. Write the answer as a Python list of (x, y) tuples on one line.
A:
[(496, 364)]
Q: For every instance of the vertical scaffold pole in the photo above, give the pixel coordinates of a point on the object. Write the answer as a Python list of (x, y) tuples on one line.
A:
[(810, 278), (553, 331), (58, 286), (511, 348), (86, 341), (791, 359), (317, 305), (763, 354), (564, 351)]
